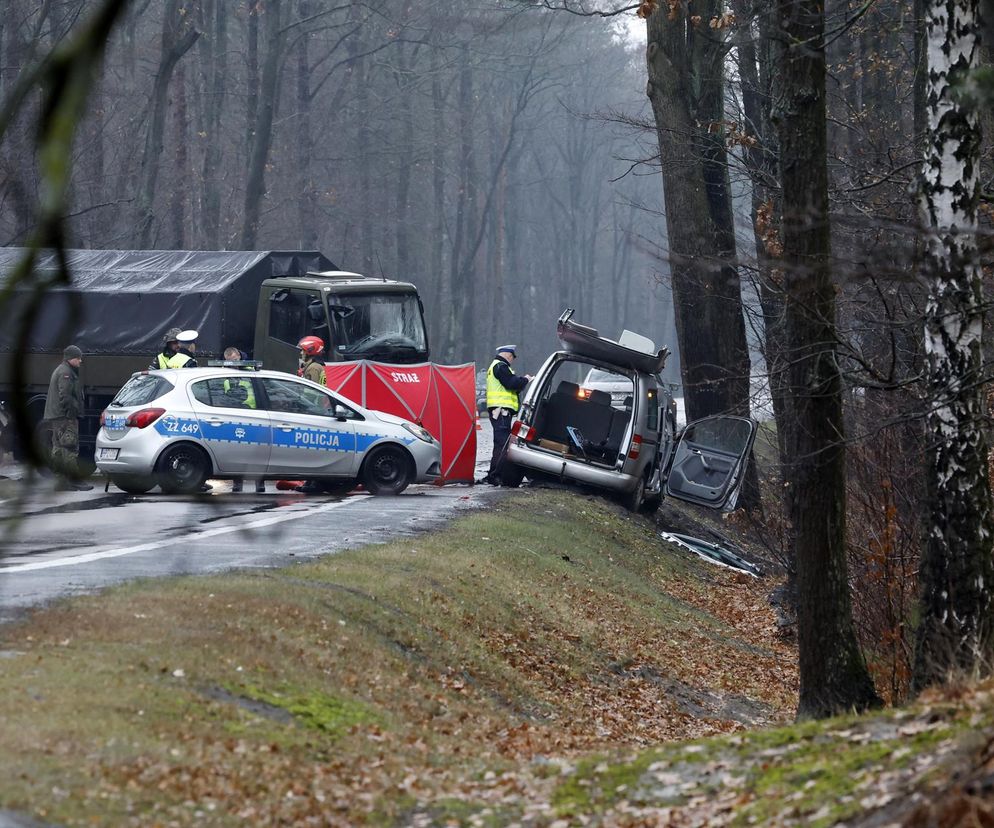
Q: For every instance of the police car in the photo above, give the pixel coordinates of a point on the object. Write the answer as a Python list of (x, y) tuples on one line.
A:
[(177, 428)]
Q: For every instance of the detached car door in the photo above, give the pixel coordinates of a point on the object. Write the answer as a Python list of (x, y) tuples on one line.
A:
[(709, 461), (312, 432)]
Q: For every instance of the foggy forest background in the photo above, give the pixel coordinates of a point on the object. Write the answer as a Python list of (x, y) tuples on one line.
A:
[(478, 151)]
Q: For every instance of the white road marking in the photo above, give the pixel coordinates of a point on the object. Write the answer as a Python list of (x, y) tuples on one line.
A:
[(102, 554)]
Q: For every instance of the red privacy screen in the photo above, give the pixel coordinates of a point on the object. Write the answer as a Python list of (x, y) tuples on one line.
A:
[(442, 398)]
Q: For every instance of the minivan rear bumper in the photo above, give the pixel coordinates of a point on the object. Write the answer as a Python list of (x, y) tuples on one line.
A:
[(558, 466)]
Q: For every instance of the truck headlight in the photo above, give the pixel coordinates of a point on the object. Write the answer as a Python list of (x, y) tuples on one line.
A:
[(419, 432)]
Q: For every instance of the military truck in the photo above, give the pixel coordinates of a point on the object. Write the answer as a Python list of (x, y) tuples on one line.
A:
[(121, 302)]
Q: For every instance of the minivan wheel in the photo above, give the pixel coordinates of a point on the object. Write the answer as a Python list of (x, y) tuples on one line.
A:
[(387, 471), (133, 483), (510, 474), (183, 469), (636, 500), (651, 504)]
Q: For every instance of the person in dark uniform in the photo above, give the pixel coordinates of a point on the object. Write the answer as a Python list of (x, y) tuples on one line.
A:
[(187, 347), (503, 388), (63, 407)]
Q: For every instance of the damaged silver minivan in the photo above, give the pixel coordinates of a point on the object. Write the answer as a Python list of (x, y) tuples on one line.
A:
[(597, 413)]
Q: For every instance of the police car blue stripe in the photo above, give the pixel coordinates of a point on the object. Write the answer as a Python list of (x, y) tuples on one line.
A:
[(317, 439)]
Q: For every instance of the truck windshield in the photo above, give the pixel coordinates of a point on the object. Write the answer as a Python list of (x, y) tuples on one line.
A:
[(383, 325)]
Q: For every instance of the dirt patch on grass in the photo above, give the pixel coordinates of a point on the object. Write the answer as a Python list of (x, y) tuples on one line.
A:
[(446, 677)]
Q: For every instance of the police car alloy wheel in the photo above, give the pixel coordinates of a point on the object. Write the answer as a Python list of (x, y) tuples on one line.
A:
[(183, 469), (386, 471)]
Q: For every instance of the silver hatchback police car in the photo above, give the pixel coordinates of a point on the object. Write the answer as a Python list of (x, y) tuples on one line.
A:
[(177, 428)]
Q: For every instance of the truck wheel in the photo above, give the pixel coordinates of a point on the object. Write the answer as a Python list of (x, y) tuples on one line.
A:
[(387, 471), (336, 487), (183, 469), (134, 483)]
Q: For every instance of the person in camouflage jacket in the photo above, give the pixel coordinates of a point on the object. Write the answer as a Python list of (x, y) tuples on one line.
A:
[(63, 407)]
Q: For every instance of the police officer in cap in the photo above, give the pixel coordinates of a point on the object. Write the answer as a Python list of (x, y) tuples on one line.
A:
[(503, 387), (187, 346)]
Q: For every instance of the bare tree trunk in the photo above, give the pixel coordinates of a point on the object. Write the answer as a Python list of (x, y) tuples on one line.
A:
[(217, 76), (306, 195), (685, 90), (252, 73), (833, 674), (255, 186), (405, 117), (177, 38), (440, 234), (181, 179), (956, 633), (465, 212)]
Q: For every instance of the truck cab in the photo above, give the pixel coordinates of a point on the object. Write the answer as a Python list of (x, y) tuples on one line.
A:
[(357, 317)]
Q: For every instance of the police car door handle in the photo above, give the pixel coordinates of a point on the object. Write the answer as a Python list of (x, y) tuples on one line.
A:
[(285, 426), (213, 420)]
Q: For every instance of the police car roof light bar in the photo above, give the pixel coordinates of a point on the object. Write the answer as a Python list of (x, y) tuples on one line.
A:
[(253, 364)]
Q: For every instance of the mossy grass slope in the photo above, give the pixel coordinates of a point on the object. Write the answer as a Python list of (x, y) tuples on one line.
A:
[(447, 674)]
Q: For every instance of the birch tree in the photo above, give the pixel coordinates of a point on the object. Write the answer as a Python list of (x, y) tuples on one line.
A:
[(955, 632)]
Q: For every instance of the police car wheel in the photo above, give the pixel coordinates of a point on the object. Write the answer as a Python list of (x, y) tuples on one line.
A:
[(183, 470), (134, 484), (387, 471)]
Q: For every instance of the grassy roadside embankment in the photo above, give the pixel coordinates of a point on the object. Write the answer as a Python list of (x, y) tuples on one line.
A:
[(447, 676)]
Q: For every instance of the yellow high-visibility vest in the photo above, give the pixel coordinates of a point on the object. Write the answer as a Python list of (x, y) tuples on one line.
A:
[(177, 360), (497, 395), (249, 392)]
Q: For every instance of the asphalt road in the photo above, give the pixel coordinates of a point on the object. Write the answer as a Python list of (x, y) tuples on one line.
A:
[(58, 544)]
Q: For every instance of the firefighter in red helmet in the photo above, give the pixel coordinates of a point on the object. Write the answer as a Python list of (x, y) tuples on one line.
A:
[(311, 364)]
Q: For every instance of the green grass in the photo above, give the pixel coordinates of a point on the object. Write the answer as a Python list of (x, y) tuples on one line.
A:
[(438, 658)]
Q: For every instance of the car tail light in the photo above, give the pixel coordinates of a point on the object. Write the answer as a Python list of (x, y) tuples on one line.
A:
[(519, 429), (103, 418), (583, 393), (635, 447), (145, 417)]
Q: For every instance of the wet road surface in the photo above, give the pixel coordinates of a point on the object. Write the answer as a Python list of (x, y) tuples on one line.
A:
[(58, 544)]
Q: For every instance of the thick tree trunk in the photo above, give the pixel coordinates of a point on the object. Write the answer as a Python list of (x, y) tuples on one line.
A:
[(404, 261), (956, 631), (685, 89), (833, 674), (252, 73), (177, 39), (440, 234), (306, 195), (181, 181), (217, 75), (255, 186)]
